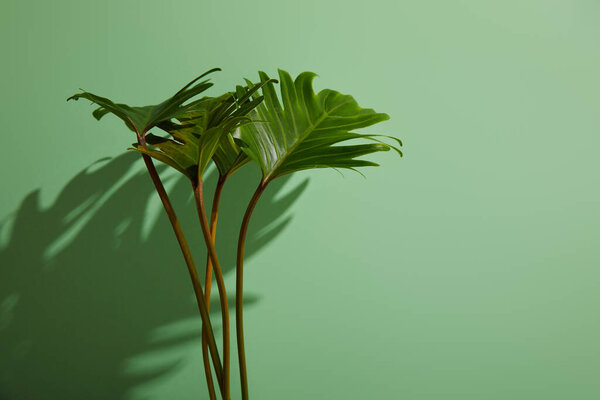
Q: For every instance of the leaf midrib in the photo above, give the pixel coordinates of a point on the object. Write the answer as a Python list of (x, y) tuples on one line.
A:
[(311, 128)]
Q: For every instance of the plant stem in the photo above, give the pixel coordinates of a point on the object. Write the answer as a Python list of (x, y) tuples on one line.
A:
[(239, 289), (208, 281), (220, 285), (187, 255)]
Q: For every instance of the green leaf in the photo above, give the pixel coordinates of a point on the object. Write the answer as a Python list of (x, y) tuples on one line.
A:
[(228, 157), (160, 156), (305, 131), (204, 132), (208, 143), (141, 119)]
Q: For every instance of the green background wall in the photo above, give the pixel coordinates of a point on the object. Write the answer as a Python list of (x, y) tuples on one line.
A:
[(466, 270)]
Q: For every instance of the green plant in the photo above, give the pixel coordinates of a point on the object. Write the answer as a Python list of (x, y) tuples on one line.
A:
[(304, 130)]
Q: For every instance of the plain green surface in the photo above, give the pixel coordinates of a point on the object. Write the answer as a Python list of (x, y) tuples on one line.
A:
[(466, 270)]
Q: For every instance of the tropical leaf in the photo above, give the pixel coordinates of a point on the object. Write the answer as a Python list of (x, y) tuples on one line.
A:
[(142, 119), (305, 132), (204, 132), (228, 157), (183, 156)]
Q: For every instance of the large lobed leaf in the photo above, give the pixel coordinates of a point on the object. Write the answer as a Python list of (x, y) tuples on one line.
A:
[(142, 119), (204, 133), (305, 132)]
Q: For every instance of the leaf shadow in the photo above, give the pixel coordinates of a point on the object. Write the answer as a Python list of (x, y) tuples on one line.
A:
[(94, 282)]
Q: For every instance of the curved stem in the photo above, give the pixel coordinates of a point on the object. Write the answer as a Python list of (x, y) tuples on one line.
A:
[(220, 285), (239, 289), (187, 255), (208, 281)]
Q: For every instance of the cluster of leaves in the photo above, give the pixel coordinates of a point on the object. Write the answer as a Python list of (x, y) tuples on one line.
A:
[(304, 132), (204, 133), (294, 130)]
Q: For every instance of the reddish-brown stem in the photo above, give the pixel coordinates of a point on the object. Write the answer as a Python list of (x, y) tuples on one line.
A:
[(187, 255), (220, 285), (206, 333), (208, 281), (239, 289)]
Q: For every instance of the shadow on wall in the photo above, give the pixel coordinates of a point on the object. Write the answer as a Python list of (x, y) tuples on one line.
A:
[(75, 314)]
